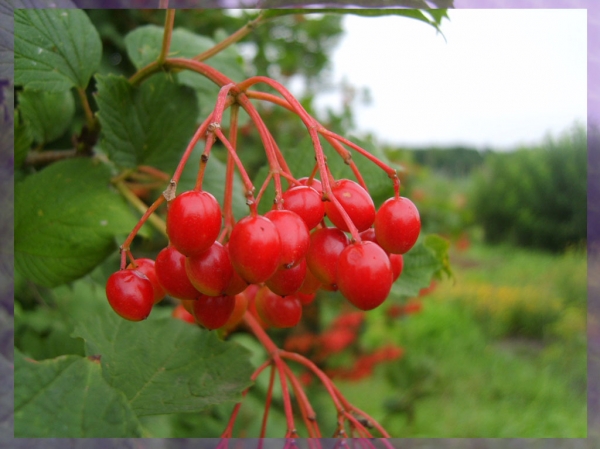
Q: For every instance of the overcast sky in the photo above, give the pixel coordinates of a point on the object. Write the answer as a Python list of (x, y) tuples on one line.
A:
[(500, 78)]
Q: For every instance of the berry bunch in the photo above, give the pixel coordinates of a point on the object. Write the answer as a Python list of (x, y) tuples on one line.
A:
[(325, 235)]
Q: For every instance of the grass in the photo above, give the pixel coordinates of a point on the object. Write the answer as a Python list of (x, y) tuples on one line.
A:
[(512, 365)]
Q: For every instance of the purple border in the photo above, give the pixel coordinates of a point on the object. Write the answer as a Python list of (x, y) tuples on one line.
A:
[(6, 228)]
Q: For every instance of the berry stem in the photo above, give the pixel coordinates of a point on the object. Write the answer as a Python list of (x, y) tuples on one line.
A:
[(166, 43), (263, 427), (229, 219)]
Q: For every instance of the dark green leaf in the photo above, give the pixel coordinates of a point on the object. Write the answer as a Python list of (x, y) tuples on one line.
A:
[(23, 139), (48, 114), (67, 397), (55, 49), (164, 365), (421, 264), (66, 219), (150, 124)]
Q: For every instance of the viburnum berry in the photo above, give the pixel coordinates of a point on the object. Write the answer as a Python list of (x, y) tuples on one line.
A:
[(364, 275), (278, 311), (255, 248), (306, 202), (326, 244), (240, 307), (146, 266), (170, 271), (310, 284), (397, 262), (210, 272), (286, 281), (357, 203), (314, 183), (293, 234), (397, 225), (181, 313), (130, 294), (193, 222), (213, 312), (237, 284)]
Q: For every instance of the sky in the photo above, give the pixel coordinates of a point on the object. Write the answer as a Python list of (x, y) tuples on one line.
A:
[(496, 78)]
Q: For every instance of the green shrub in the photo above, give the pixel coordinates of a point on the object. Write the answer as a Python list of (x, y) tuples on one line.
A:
[(535, 197)]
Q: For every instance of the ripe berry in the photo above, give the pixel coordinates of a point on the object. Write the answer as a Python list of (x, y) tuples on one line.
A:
[(240, 307), (286, 281), (397, 262), (170, 271), (306, 202), (237, 284), (211, 271), (364, 275), (278, 311), (314, 183), (355, 201), (397, 225), (146, 266), (310, 284), (255, 248), (293, 234), (193, 222), (181, 313), (326, 244), (213, 312), (130, 294)]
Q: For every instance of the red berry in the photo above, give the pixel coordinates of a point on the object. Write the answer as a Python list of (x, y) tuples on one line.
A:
[(278, 311), (314, 183), (237, 284), (130, 294), (397, 262), (286, 281), (310, 284), (306, 202), (213, 312), (170, 271), (364, 275), (355, 201), (193, 222), (240, 307), (326, 244), (146, 266), (293, 234), (306, 298), (397, 225), (255, 248), (181, 313), (211, 271)]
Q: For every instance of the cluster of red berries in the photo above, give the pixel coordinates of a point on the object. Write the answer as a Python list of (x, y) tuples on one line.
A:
[(290, 252)]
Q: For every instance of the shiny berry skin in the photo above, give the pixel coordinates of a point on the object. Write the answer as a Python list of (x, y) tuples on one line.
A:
[(294, 236), (306, 202), (146, 266), (212, 312), (278, 311), (210, 272), (326, 244), (364, 275), (357, 203), (397, 225), (240, 307), (130, 294), (286, 281), (255, 248), (237, 284), (193, 222), (170, 271), (314, 183)]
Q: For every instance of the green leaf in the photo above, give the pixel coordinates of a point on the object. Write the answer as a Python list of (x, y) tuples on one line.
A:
[(48, 114), (164, 365), (421, 264), (146, 125), (439, 246), (23, 139), (66, 219), (55, 49), (67, 397)]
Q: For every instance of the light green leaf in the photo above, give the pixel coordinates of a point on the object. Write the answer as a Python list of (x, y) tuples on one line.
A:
[(150, 124), (48, 114), (164, 365), (66, 219), (55, 49), (23, 139), (67, 397)]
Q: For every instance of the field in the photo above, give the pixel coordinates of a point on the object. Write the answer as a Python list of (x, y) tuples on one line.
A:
[(497, 352)]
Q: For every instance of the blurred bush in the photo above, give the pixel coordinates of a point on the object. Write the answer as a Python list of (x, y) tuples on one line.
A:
[(535, 197)]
